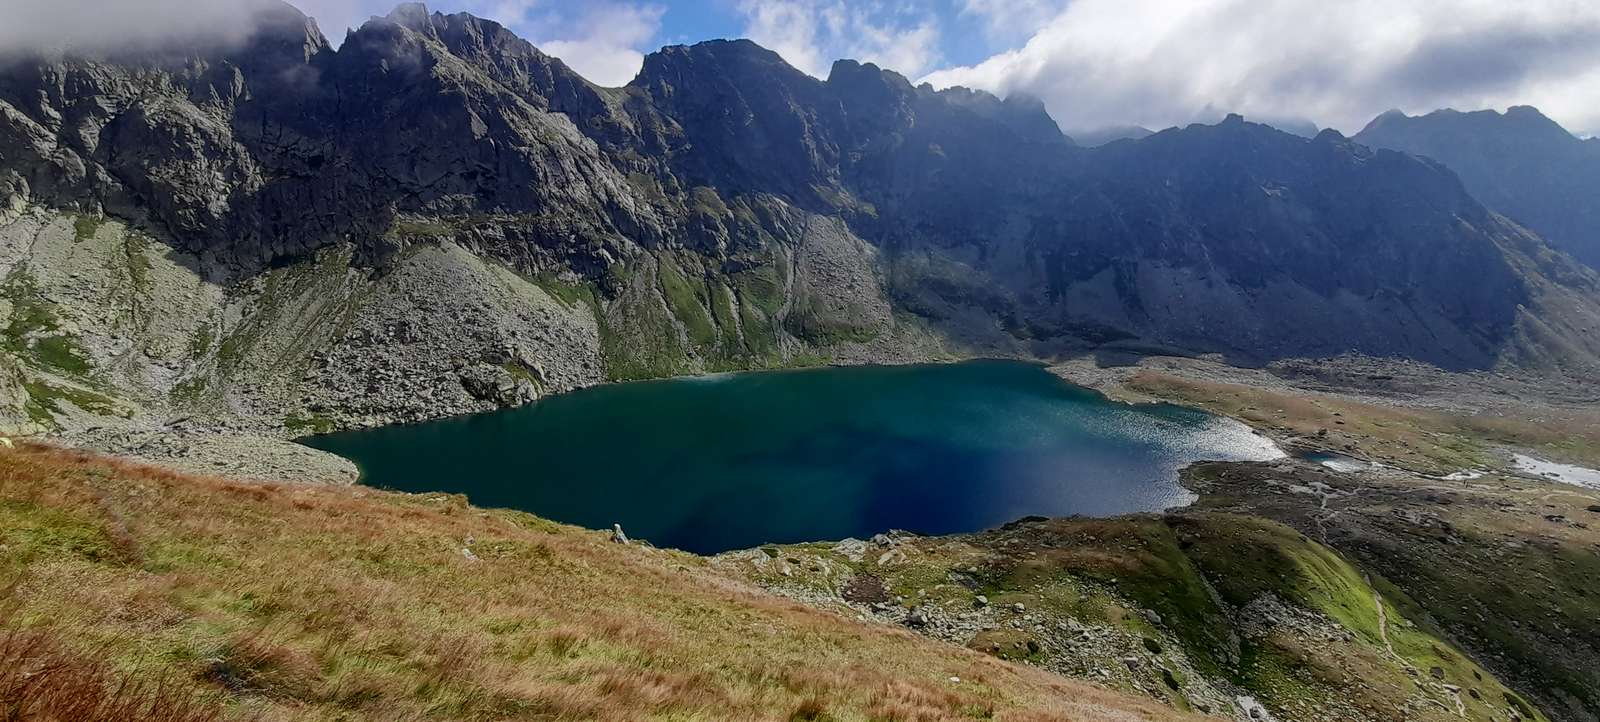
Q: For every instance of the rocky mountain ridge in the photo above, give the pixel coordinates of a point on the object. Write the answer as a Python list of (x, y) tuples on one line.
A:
[(438, 218), (1519, 162)]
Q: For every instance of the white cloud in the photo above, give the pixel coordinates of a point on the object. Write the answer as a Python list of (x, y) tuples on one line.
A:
[(334, 17), (1163, 62), (606, 41), (95, 25), (811, 34), (789, 29), (509, 13), (1011, 19)]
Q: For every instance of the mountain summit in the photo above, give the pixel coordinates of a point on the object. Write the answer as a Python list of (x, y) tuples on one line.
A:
[(1518, 162)]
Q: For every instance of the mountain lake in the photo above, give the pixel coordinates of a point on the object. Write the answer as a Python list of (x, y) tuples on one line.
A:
[(729, 461)]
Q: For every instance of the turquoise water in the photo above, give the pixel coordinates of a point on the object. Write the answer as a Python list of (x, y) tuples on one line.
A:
[(732, 461)]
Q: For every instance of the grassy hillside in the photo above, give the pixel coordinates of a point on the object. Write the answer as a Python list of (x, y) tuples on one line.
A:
[(1192, 609), (1417, 439), (1502, 567), (223, 599)]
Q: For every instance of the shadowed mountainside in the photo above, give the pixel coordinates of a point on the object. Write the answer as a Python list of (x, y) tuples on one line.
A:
[(1519, 162), (439, 218)]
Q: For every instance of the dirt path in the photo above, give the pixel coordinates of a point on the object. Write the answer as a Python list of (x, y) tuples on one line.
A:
[(1383, 622)]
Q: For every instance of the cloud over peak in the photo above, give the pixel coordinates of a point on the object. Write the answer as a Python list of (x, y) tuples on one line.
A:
[(1095, 63), (1163, 62), (99, 25), (811, 34)]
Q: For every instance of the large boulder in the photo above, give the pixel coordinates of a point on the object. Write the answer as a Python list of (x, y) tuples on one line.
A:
[(497, 385)]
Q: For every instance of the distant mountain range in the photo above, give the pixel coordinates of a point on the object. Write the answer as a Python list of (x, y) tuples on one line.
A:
[(1101, 136), (1519, 162), (437, 217)]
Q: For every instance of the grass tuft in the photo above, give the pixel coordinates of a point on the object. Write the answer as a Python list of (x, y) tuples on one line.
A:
[(40, 681)]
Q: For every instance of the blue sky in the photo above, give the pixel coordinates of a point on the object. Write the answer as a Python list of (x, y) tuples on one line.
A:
[(603, 38), (1094, 63), (1098, 63)]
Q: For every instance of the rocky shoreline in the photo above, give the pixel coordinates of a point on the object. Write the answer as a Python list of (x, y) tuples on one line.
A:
[(240, 449), (234, 455)]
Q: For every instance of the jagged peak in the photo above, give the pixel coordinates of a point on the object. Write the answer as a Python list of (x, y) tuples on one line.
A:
[(1024, 99), (413, 15), (962, 92), (729, 59), (845, 70), (720, 48), (1232, 128), (1231, 121), (1387, 117)]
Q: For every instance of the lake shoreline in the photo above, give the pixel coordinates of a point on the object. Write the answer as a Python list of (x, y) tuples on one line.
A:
[(812, 454)]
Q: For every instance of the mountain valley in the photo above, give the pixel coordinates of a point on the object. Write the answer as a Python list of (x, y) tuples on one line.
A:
[(212, 248)]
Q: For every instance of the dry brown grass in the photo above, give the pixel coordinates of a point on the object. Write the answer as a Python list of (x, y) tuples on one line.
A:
[(40, 683), (300, 603), (1418, 439)]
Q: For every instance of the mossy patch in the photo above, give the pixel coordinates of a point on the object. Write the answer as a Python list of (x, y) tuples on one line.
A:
[(309, 424), (62, 353), (687, 299), (762, 286), (84, 227), (638, 336), (831, 331), (759, 335), (722, 302), (34, 331), (192, 390), (282, 290), (136, 249), (47, 398), (706, 201), (571, 293), (201, 341)]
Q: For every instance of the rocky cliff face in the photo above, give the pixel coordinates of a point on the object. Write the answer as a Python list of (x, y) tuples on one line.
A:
[(437, 218), (1520, 163)]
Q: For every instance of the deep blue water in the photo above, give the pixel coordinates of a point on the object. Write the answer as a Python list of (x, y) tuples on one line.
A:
[(731, 461)]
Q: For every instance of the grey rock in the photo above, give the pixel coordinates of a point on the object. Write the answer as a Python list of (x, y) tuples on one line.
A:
[(497, 385), (853, 549)]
